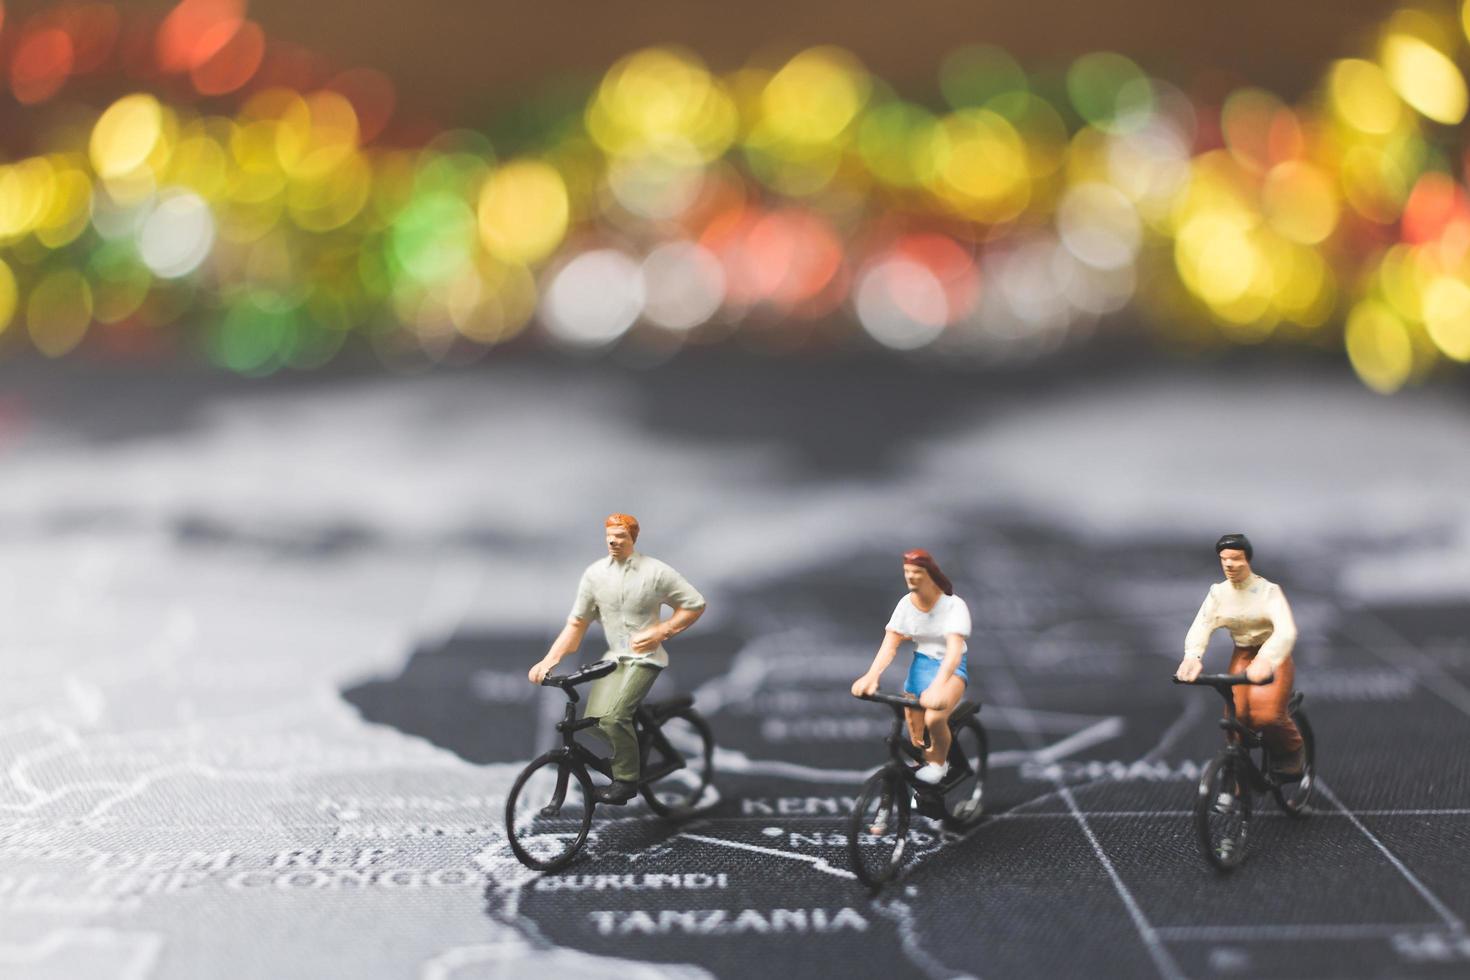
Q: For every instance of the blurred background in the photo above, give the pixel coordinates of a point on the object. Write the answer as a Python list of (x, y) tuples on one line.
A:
[(271, 187)]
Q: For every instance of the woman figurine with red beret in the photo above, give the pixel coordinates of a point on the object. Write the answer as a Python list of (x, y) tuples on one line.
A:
[(937, 621)]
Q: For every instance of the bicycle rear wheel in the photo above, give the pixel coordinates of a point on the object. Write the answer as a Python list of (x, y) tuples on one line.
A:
[(965, 801), (878, 830), (685, 791), (1292, 797), (549, 812), (1222, 813)]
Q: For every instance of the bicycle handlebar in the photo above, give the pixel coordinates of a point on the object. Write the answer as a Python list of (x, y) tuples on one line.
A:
[(896, 700), (589, 673), (1224, 680)]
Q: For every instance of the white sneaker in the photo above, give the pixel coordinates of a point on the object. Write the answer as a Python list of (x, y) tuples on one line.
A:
[(932, 773), (1225, 803)]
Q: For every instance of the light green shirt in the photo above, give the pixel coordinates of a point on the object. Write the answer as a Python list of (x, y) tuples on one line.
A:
[(626, 596)]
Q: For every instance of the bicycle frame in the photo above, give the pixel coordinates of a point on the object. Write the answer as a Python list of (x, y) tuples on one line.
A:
[(1240, 741), (902, 750), (651, 737)]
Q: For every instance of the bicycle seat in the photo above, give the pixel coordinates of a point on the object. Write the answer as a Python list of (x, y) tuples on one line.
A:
[(661, 711), (962, 711)]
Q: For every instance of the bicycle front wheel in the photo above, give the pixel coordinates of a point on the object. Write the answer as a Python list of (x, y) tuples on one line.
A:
[(1292, 797), (687, 790), (549, 812), (878, 829), (1222, 813)]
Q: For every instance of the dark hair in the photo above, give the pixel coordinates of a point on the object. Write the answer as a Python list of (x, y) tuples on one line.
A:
[(1235, 541), (922, 558)]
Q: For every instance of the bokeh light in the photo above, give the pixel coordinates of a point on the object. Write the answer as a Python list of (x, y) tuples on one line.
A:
[(185, 172)]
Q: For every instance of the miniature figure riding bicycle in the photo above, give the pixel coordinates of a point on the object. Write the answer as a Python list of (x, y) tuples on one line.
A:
[(879, 825), (1222, 809), (548, 814)]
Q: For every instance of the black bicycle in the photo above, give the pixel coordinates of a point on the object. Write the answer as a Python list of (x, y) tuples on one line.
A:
[(879, 826), (548, 814), (1222, 808)]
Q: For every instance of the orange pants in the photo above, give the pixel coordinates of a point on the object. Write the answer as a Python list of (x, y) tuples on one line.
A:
[(1264, 708)]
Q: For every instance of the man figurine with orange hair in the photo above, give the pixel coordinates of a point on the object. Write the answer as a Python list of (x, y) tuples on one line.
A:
[(626, 591)]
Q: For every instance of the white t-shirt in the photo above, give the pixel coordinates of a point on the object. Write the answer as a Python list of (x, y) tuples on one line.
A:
[(928, 629)]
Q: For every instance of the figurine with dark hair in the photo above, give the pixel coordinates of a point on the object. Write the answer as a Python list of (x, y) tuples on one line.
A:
[(626, 591), (937, 621), (1259, 620)]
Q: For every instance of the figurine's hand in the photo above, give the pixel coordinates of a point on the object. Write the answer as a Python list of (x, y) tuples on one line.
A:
[(865, 685), (538, 673), (1189, 669), (933, 700), (1259, 671), (646, 641)]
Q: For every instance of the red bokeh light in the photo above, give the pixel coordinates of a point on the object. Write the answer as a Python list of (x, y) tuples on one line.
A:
[(1433, 205), (233, 63), (41, 64), (194, 30)]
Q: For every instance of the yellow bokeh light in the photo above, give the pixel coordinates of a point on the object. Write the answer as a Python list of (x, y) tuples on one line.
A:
[(1373, 183), (1399, 281), (1425, 78), (201, 164), (26, 192), (70, 210), (331, 200), (814, 97), (1299, 202), (1363, 97), (126, 134), (659, 95), (983, 171), (1379, 347), (1447, 316), (59, 312), (317, 135), (1217, 258), (9, 295), (523, 211)]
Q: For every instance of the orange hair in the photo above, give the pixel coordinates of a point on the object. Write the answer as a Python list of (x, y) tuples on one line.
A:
[(626, 521)]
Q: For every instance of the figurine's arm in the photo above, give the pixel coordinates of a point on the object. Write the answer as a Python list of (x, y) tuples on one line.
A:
[(1197, 639), (868, 683), (1279, 644), (688, 606), (649, 639), (567, 642)]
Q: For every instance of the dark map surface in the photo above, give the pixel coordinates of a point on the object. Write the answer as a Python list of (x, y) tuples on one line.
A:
[(278, 743)]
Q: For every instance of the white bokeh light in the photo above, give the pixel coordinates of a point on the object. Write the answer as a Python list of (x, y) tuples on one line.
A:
[(684, 285), (901, 304), (594, 299), (1098, 225), (177, 234)]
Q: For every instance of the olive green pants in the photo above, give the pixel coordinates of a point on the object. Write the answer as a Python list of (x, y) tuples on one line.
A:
[(613, 700)]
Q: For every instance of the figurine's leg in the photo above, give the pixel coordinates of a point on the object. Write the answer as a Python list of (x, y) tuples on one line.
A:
[(938, 722), (614, 709), (915, 719), (921, 672), (1239, 661), (1278, 731)]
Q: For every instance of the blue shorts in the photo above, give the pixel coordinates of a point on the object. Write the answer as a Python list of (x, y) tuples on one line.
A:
[(923, 671)]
